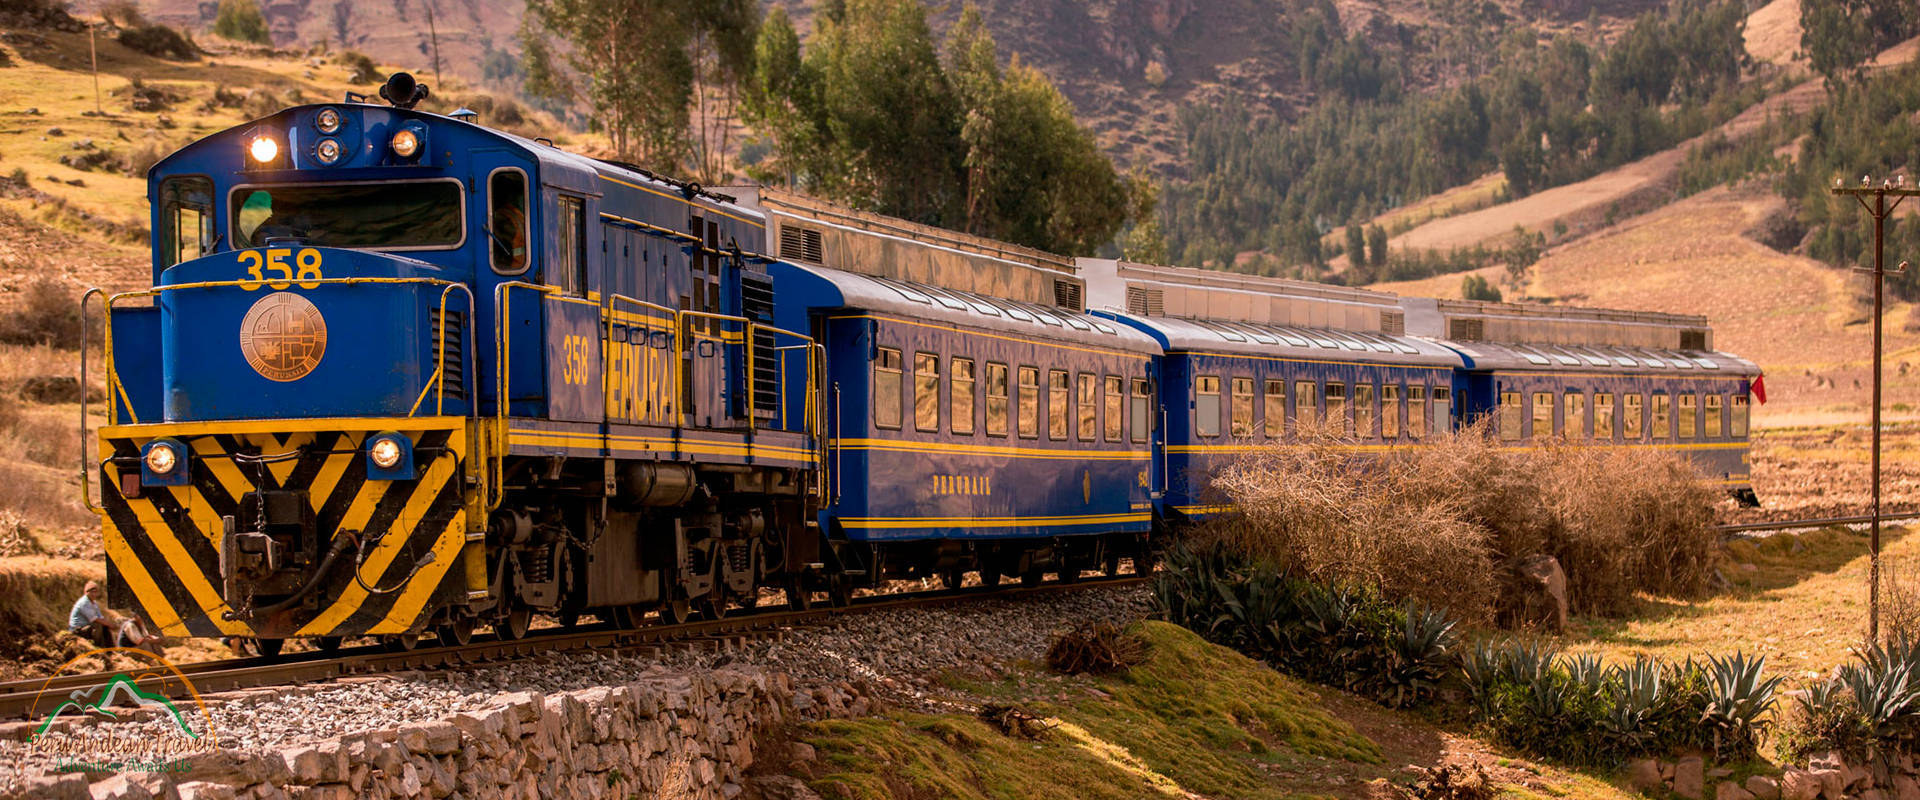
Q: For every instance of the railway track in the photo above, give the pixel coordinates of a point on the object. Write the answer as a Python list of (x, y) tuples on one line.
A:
[(1793, 524), (23, 699)]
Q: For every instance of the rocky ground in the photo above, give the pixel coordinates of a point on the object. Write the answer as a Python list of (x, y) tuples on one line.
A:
[(845, 665)]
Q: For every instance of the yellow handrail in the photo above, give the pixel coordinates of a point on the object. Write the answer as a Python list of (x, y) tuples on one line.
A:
[(501, 399), (86, 492), (439, 378), (673, 316)]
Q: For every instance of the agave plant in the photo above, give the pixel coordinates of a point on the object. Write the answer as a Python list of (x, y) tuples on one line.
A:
[(1885, 698), (1525, 663), (1737, 698), (1480, 665), (1417, 657), (1636, 695), (1586, 671)]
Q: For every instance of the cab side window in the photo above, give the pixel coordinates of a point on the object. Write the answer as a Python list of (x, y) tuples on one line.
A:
[(507, 221), (886, 389), (186, 219), (568, 267)]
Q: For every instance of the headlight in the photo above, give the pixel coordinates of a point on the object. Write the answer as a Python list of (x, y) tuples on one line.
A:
[(385, 453), (328, 121), (405, 144), (328, 151), (264, 149), (161, 459)]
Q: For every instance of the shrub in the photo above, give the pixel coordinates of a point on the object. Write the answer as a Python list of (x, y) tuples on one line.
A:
[(49, 313), (240, 20), (361, 68), (159, 41), (1097, 649)]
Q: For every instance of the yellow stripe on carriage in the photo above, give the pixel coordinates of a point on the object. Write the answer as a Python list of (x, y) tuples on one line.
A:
[(867, 523), (446, 551), (375, 568), (898, 445)]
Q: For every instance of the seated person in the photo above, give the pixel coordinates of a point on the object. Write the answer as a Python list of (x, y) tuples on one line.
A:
[(104, 628)]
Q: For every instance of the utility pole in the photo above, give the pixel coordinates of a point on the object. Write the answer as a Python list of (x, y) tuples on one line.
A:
[(94, 53), (434, 36), (1879, 209)]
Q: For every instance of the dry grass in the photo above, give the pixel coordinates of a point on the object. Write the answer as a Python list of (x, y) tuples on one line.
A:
[(1449, 523)]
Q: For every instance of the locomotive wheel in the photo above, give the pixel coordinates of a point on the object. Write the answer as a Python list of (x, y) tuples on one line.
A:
[(1031, 577), (676, 612), (953, 578), (1110, 563), (329, 644), (626, 618), (798, 598), (269, 648), (570, 619), (401, 642), (839, 591), (514, 626), (713, 606), (989, 576), (1069, 574), (458, 633)]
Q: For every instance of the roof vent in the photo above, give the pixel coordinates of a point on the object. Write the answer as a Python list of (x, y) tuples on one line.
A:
[(1393, 323), (1693, 340), (1467, 329), (800, 243), (1146, 302), (1066, 294)]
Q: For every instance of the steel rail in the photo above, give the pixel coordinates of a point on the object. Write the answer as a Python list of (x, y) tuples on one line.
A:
[(19, 699), (1810, 523)]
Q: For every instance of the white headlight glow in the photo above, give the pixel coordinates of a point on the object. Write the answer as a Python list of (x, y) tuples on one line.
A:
[(264, 149), (161, 459), (385, 453), (405, 144)]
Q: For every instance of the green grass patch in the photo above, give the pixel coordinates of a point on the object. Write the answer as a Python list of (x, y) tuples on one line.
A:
[(1195, 718)]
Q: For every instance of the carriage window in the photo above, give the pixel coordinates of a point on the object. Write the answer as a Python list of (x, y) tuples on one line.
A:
[(1206, 405), (387, 215), (569, 263), (1363, 410), (1390, 411), (1276, 409), (1542, 415), (886, 389), (1442, 409), (507, 221), (1712, 428), (1689, 414), (1603, 416), (1058, 386), (1576, 415), (996, 399), (1739, 417), (1510, 413), (1306, 401), (1141, 410), (186, 219), (1336, 409), (1633, 417), (1087, 404), (1116, 395), (1242, 406), (962, 401), (1662, 417), (926, 392), (1416, 411), (1030, 402)]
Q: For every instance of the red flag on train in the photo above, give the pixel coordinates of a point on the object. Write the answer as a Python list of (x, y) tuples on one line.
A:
[(1760, 388)]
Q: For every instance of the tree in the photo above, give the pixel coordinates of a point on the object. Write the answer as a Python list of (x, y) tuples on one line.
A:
[(1376, 246), (1356, 245), (1840, 36), (781, 101), (240, 21), (1474, 287)]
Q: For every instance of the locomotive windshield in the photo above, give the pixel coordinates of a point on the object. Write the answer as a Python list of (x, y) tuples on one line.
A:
[(414, 214)]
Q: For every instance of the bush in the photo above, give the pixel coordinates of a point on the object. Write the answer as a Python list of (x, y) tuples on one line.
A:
[(362, 68), (240, 20), (49, 313), (159, 41), (1098, 649), (1474, 287)]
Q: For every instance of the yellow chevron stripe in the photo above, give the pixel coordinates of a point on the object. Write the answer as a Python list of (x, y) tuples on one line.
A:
[(204, 521), (407, 608), (282, 470), (183, 567), (224, 470), (160, 612), (328, 477), (389, 547)]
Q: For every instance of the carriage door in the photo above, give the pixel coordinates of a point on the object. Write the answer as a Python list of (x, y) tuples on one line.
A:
[(574, 331), (707, 339)]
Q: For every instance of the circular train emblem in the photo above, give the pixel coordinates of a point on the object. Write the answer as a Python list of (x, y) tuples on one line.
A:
[(283, 336)]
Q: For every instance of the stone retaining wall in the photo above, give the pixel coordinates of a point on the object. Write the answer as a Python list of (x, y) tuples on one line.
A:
[(668, 735)]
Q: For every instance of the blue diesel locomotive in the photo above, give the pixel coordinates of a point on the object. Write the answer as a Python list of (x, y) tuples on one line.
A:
[(398, 373)]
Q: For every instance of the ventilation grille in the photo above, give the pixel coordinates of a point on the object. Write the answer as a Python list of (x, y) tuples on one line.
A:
[(1148, 302), (1066, 294), (450, 350), (800, 244), (1471, 329), (1693, 340), (756, 303), (1393, 323)]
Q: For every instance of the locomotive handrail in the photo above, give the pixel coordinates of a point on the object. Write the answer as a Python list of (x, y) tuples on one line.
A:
[(746, 339), (673, 316), (502, 355), (439, 379), (86, 492)]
